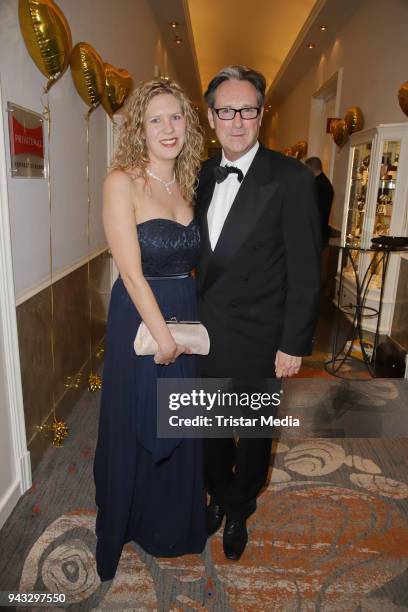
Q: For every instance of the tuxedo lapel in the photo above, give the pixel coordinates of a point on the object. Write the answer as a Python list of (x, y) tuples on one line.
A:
[(251, 200)]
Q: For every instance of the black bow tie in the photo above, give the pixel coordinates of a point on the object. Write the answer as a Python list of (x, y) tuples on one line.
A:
[(221, 173)]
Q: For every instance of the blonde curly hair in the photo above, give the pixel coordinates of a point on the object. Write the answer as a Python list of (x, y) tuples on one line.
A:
[(132, 153)]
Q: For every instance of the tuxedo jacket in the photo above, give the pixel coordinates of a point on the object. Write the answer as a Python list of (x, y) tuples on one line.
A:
[(259, 289)]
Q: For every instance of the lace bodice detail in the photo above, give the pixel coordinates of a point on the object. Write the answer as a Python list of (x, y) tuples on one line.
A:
[(168, 247)]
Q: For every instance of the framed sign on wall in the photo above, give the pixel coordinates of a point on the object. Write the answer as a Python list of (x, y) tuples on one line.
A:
[(26, 135)]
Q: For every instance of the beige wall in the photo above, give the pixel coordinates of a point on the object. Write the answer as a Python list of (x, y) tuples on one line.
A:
[(287, 124), (372, 48)]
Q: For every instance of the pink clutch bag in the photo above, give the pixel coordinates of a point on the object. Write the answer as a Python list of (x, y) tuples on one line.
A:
[(192, 334)]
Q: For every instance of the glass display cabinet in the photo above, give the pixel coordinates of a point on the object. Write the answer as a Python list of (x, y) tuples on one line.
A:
[(375, 205)]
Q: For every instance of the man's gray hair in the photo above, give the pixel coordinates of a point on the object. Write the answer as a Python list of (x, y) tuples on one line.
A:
[(239, 73)]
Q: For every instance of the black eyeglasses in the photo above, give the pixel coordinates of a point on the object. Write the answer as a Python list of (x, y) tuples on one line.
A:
[(226, 114)]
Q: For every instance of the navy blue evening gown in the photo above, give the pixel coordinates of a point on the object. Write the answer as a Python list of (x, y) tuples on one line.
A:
[(148, 490)]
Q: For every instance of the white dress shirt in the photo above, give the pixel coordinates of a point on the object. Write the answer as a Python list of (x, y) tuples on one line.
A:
[(225, 193)]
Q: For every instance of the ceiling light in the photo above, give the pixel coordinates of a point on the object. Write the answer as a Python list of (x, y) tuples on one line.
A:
[(323, 27), (310, 45), (173, 24), (213, 141), (178, 40)]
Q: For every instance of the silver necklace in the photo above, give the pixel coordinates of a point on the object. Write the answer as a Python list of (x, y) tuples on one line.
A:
[(167, 184)]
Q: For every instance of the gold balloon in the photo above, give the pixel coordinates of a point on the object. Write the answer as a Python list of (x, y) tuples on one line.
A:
[(300, 149), (340, 133), (354, 119), (47, 36), (118, 84), (403, 97), (87, 73)]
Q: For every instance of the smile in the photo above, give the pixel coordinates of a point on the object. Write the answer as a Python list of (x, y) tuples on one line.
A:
[(170, 142)]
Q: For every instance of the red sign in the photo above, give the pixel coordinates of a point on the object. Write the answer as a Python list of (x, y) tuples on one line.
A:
[(27, 146), (28, 141)]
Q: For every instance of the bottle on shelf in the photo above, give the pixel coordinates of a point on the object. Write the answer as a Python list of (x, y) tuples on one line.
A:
[(385, 162)]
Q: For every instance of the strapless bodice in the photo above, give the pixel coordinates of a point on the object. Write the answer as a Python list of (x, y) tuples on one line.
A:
[(168, 247)]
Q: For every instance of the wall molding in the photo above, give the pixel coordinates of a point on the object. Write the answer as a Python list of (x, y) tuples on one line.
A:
[(8, 501), (8, 321), (29, 293)]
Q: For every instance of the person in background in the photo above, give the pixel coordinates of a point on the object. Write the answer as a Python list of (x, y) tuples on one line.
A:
[(325, 194)]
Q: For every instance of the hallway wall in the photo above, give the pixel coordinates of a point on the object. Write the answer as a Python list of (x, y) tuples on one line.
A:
[(125, 34), (371, 48)]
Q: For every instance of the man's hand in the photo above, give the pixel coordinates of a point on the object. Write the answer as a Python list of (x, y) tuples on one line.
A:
[(286, 365)]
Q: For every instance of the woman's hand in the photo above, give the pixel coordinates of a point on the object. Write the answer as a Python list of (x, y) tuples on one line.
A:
[(168, 354)]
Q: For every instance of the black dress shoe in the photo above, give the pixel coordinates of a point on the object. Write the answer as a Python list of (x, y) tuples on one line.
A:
[(235, 538), (215, 514)]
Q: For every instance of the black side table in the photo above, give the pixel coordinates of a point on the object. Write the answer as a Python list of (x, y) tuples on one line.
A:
[(359, 310)]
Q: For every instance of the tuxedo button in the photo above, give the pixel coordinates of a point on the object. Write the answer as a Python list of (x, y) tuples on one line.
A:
[(233, 304)]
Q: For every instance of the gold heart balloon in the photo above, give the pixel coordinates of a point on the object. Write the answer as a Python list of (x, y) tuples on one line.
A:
[(118, 85), (340, 133), (87, 73), (403, 97), (354, 119), (47, 36), (300, 149)]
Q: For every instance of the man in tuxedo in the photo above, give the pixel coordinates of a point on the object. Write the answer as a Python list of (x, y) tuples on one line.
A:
[(258, 280)]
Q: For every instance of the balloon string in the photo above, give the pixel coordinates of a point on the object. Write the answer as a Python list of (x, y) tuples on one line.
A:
[(88, 235), (47, 117)]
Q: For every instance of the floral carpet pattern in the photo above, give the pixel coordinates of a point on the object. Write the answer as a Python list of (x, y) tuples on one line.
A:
[(330, 534)]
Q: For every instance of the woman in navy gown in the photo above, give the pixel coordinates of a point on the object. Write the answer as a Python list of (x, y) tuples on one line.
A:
[(149, 490)]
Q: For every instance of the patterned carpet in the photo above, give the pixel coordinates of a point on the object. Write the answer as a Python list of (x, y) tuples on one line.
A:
[(330, 533), (312, 368)]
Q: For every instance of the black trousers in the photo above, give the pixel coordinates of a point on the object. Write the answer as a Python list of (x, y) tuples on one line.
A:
[(235, 472)]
